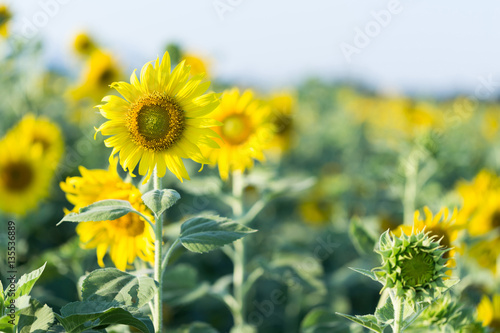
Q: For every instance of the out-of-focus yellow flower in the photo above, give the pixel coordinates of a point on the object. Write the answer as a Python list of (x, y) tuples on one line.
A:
[(24, 175), (198, 65), (282, 108), (488, 311), (316, 210), (5, 16), (160, 119), (396, 118), (491, 122), (244, 134), (41, 131), (442, 225), (480, 210), (101, 70), (127, 237), (486, 253), (83, 44)]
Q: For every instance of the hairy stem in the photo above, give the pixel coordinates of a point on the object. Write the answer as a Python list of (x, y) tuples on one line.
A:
[(157, 316)]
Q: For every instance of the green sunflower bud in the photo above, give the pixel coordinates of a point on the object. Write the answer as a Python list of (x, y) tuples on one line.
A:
[(412, 265)]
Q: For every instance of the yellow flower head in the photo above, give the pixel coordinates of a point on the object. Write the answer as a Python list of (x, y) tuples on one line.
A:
[(41, 131), (244, 134), (198, 65), (24, 175), (5, 16), (441, 225), (127, 237), (100, 71), (488, 311), (486, 253), (160, 119), (282, 108), (83, 44), (480, 211)]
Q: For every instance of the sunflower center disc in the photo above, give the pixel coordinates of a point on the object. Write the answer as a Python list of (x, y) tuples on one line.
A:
[(155, 122), (495, 219), (17, 176), (236, 129), (129, 225), (418, 269)]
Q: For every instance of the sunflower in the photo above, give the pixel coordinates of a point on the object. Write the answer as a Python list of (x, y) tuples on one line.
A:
[(127, 237), (24, 175), (5, 16), (486, 253), (441, 225), (83, 44), (282, 107), (198, 65), (41, 131), (161, 119), (488, 311), (101, 70), (480, 211), (244, 133)]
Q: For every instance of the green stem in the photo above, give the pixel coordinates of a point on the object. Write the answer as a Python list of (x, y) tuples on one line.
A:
[(398, 314), (157, 316), (239, 251), (166, 259), (410, 190)]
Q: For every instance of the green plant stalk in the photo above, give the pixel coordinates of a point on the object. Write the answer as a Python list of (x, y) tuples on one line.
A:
[(239, 251), (410, 190), (158, 313), (398, 303)]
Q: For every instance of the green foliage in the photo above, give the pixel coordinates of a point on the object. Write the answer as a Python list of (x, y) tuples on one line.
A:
[(181, 285), (160, 200), (204, 234), (113, 285), (81, 316), (101, 211)]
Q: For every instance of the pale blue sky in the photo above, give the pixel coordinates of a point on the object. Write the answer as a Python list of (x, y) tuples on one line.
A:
[(428, 47)]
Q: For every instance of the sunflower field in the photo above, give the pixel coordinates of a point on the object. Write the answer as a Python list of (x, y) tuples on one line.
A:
[(165, 199)]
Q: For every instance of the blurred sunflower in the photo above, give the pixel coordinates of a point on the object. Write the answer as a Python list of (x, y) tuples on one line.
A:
[(486, 253), (441, 225), (244, 134), (282, 108), (480, 210), (198, 65), (488, 311), (127, 237), (24, 175), (101, 69), (161, 119), (5, 16), (83, 44), (43, 132)]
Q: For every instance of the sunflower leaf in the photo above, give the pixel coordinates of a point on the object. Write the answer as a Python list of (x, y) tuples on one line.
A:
[(160, 200), (111, 284), (368, 321), (35, 318), (84, 316), (24, 286), (207, 233), (101, 211)]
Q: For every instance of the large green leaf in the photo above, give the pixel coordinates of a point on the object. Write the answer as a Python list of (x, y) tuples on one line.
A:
[(203, 234), (101, 211), (36, 318), (82, 316), (24, 286), (368, 321), (111, 284), (160, 200)]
